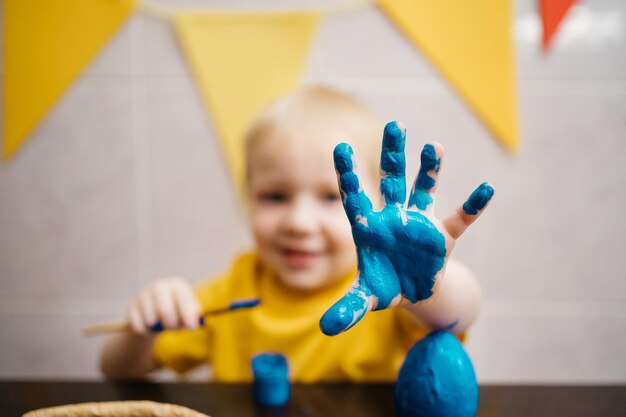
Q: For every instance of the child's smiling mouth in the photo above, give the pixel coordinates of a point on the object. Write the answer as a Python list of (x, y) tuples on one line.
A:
[(299, 258)]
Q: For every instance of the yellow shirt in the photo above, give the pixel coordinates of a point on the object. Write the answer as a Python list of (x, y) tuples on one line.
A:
[(287, 322)]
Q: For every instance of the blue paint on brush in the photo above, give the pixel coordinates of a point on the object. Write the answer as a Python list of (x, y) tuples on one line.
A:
[(399, 252), (437, 379), (157, 327), (478, 199), (235, 305), (271, 379)]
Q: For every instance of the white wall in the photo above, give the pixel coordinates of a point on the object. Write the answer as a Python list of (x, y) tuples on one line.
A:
[(124, 182)]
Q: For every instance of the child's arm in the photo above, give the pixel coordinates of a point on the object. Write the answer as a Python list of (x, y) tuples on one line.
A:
[(170, 301), (403, 249), (128, 355), (455, 302)]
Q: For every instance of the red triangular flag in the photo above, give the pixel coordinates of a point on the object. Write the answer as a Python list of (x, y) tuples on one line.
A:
[(552, 13)]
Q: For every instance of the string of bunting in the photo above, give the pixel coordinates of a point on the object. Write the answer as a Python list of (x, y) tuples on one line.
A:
[(552, 14), (241, 60)]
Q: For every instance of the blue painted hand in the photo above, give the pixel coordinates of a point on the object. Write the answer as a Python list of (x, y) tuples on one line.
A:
[(402, 249)]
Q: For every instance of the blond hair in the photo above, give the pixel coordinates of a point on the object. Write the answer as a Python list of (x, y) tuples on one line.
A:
[(314, 114)]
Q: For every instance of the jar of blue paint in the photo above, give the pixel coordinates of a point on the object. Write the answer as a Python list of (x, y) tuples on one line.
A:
[(271, 379)]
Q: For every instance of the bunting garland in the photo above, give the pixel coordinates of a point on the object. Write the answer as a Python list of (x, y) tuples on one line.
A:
[(552, 14), (470, 43), (47, 45), (241, 62)]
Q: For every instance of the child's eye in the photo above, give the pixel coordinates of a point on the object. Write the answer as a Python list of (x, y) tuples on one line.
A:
[(274, 197)]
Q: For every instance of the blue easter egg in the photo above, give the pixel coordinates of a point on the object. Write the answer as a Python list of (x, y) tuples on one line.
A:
[(437, 379)]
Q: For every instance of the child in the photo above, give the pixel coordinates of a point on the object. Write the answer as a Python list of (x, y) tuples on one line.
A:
[(305, 259)]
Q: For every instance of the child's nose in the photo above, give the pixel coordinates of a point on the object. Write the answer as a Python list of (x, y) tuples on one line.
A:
[(300, 219)]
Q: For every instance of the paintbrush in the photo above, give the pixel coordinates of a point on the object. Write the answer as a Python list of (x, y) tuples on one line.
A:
[(124, 325)]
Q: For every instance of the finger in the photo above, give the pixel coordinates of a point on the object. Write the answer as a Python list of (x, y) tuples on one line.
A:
[(426, 180), (136, 320), (393, 164), (346, 312), (187, 305), (147, 309), (355, 202), (456, 223), (165, 306)]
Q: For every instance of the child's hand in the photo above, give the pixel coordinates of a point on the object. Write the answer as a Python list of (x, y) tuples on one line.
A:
[(401, 250), (170, 301)]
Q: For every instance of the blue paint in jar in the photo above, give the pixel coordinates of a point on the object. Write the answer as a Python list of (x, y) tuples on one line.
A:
[(478, 199), (271, 379), (437, 379)]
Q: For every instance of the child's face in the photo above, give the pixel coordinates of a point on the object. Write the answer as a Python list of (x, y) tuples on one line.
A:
[(297, 216)]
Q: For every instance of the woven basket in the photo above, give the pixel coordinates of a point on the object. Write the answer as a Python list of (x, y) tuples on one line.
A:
[(116, 409)]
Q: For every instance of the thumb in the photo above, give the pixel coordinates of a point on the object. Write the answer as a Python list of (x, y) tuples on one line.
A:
[(347, 312)]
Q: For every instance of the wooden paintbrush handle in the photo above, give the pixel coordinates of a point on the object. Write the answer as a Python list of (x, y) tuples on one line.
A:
[(120, 326), (110, 327)]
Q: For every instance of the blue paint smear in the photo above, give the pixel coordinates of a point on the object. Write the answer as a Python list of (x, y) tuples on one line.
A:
[(399, 251), (429, 162), (355, 202), (478, 199), (346, 312), (437, 379), (399, 259), (424, 182), (392, 188), (393, 164), (271, 379), (421, 200)]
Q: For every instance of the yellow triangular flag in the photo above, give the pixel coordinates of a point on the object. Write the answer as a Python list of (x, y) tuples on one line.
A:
[(241, 62), (470, 43), (47, 44)]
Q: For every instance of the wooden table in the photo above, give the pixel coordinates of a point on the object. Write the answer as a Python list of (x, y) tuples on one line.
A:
[(324, 400)]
